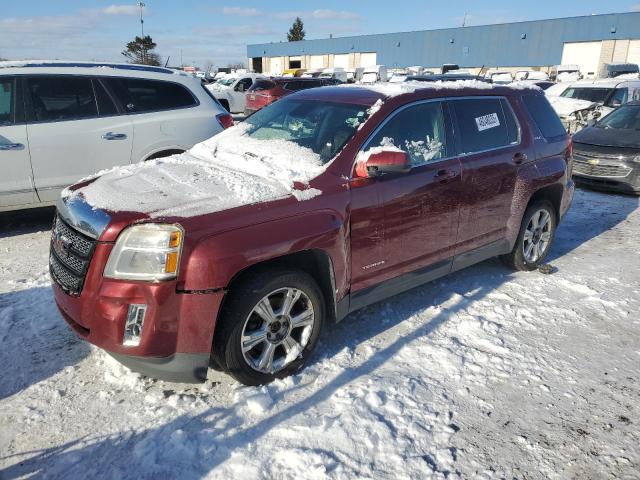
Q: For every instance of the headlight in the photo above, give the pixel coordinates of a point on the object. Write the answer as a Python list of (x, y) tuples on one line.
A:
[(146, 252), (637, 159)]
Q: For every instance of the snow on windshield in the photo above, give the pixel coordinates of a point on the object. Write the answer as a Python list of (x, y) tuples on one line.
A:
[(227, 171)]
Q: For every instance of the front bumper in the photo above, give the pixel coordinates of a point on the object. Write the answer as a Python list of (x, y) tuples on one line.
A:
[(177, 333), (608, 174)]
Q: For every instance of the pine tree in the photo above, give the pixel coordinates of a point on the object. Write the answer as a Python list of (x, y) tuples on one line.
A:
[(141, 51), (296, 32)]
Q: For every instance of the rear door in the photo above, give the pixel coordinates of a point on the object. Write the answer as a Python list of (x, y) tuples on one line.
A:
[(488, 140), (418, 213), (16, 184), (74, 131)]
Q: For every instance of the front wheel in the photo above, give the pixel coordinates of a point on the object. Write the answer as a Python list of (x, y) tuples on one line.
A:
[(270, 325), (534, 239)]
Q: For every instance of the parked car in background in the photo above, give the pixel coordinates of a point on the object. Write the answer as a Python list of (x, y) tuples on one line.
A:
[(613, 70), (318, 206), (607, 153), (565, 73), (499, 76), (337, 74), (230, 91), (293, 72), (533, 75), (376, 73), (446, 77), (268, 90), (312, 73), (582, 101), (62, 121)]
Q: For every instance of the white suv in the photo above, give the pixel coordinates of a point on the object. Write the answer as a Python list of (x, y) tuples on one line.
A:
[(60, 122), (230, 91)]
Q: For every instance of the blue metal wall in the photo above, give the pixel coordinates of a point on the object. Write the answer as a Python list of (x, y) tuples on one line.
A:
[(491, 45)]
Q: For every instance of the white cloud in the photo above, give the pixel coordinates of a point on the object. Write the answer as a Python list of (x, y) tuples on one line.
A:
[(122, 10), (635, 8), (241, 12), (325, 14)]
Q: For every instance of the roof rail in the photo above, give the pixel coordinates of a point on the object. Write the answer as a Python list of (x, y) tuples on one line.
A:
[(119, 66)]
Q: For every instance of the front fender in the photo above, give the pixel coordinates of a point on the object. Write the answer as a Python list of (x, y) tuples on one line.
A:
[(215, 260)]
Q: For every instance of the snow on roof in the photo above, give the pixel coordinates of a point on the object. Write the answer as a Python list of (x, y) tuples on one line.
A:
[(394, 89), (227, 171)]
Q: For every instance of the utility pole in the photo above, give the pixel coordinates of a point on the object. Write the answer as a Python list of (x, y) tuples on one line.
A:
[(464, 20), (144, 53)]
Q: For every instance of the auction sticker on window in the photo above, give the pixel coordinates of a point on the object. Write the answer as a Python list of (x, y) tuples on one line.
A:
[(487, 121)]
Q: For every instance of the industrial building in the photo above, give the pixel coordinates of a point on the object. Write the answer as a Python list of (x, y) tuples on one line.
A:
[(587, 41)]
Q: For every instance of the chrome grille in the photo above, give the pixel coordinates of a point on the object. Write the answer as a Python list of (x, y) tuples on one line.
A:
[(583, 167), (70, 256)]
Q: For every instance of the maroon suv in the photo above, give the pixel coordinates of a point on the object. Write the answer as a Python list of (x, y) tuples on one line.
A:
[(237, 253)]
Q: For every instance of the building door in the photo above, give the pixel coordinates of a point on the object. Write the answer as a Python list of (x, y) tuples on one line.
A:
[(584, 54)]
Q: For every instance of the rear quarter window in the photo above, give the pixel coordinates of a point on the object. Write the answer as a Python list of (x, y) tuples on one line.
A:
[(141, 95), (544, 116), (6, 100), (483, 124)]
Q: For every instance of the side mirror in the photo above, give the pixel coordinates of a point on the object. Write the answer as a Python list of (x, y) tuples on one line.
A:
[(383, 161)]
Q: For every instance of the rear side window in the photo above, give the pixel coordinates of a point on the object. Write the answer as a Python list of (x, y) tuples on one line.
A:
[(141, 95), (6, 101), (544, 116), (61, 98), (301, 85), (260, 85), (482, 124)]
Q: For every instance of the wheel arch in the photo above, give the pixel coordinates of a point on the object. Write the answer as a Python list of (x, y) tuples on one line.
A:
[(164, 152), (551, 193), (315, 262)]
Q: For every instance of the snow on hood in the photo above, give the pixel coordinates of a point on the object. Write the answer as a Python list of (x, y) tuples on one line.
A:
[(227, 171), (565, 106)]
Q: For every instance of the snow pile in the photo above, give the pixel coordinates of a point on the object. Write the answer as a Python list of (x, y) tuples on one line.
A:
[(565, 106), (226, 171)]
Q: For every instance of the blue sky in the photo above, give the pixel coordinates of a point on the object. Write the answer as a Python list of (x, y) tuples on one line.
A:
[(218, 31)]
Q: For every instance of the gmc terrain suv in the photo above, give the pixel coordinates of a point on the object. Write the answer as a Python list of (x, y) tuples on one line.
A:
[(238, 252)]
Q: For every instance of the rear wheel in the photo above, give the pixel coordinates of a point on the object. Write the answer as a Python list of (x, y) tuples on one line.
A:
[(535, 237), (270, 325)]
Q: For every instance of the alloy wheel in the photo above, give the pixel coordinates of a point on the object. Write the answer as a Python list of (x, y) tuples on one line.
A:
[(537, 236)]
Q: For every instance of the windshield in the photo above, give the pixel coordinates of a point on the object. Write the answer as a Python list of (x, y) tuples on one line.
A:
[(597, 95), (226, 81), (626, 117), (323, 127)]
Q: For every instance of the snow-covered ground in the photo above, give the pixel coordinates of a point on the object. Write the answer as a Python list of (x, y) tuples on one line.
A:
[(485, 374)]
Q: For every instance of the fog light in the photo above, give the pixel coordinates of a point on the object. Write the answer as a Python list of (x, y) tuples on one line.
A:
[(133, 327)]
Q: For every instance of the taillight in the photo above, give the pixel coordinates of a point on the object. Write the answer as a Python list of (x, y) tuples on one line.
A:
[(225, 120), (568, 157)]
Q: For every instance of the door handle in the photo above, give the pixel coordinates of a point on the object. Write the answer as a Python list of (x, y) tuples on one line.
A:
[(114, 136), (445, 175), (519, 158), (11, 146)]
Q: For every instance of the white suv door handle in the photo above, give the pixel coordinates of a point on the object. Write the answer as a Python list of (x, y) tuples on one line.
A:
[(11, 146), (114, 136)]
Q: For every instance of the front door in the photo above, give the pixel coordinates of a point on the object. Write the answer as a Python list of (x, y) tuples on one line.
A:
[(16, 185), (417, 212), (74, 131)]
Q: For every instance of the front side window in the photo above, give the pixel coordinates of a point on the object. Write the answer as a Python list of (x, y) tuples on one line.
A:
[(140, 95), (597, 95), (482, 124), (418, 130), (59, 98), (6, 101), (617, 97), (323, 127)]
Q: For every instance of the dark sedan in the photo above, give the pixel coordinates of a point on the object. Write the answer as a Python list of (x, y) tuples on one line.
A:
[(607, 154)]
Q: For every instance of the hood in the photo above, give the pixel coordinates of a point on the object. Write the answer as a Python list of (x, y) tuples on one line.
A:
[(227, 171), (608, 137), (566, 106)]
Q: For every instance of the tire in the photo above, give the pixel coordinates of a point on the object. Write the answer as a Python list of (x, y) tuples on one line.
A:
[(522, 257), (288, 345)]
